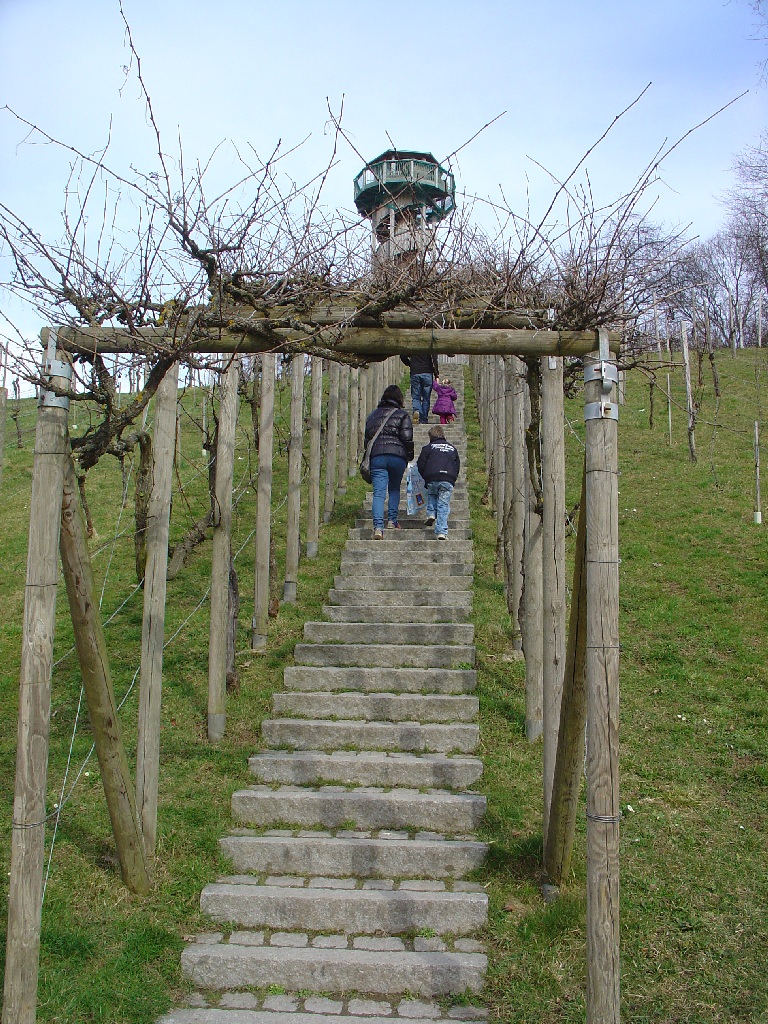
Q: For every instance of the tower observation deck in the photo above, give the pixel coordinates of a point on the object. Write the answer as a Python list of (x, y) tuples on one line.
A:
[(405, 194)]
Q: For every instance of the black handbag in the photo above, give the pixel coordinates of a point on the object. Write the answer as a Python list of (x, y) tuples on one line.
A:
[(365, 462)]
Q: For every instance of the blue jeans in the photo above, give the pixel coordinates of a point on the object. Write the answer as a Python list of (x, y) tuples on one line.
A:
[(439, 494), (421, 392), (386, 474)]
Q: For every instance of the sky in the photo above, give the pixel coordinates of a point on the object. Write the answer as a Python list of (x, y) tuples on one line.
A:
[(425, 76)]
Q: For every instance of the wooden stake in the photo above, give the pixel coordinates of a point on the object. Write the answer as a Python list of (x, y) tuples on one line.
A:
[(97, 682), (221, 554), (516, 443), (153, 623), (569, 763), (28, 835), (342, 473), (602, 670), (315, 457), (354, 422), (688, 393), (331, 441), (264, 504), (531, 602), (758, 500), (3, 413), (553, 562), (293, 540)]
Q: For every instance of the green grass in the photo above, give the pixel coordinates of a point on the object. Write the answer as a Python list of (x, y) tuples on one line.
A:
[(694, 733), (694, 714)]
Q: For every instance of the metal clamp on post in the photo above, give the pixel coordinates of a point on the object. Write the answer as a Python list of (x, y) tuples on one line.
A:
[(53, 367), (606, 372)]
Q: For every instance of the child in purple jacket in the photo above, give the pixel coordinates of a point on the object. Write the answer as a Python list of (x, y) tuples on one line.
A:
[(446, 396)]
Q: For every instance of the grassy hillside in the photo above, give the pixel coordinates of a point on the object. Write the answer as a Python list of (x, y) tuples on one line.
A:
[(694, 594)]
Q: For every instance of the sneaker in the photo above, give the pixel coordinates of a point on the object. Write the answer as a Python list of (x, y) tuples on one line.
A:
[(441, 536), (429, 521), (415, 416), (378, 535), (393, 526)]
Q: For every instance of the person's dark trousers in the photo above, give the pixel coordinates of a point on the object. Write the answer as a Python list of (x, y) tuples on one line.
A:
[(421, 392)]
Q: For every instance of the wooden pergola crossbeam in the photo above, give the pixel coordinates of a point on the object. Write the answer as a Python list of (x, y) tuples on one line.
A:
[(366, 342)]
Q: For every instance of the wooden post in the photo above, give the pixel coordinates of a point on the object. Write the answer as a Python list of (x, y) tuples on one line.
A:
[(569, 763), (204, 452), (532, 603), (516, 443), (221, 554), (553, 562), (343, 470), (499, 443), (3, 413), (758, 500), (602, 671), (760, 320), (688, 393), (264, 504), (331, 441), (97, 682), (669, 409), (364, 408), (354, 421), (28, 834), (315, 457), (293, 540), (153, 623)]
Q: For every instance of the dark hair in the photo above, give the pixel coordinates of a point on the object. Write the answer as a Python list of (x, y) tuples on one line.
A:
[(436, 432), (392, 394)]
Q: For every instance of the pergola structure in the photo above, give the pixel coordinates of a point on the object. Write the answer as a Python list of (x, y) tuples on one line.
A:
[(590, 687)]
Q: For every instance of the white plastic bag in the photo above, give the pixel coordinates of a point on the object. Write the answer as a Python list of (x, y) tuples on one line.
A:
[(415, 489)]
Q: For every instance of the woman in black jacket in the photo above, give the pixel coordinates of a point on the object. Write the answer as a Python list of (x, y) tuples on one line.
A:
[(392, 451)]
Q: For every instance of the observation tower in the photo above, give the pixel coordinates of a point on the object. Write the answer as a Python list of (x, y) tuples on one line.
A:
[(405, 194)]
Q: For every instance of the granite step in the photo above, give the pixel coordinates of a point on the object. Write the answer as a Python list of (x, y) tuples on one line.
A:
[(394, 613), (334, 904), (298, 734), (367, 768), (375, 680), (232, 965), (386, 655), (369, 807), (451, 595), (396, 579), (376, 707), (313, 1015), (385, 854), (388, 633)]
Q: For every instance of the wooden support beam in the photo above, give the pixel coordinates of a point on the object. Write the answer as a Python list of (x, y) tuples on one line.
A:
[(293, 512), (97, 682), (516, 482), (602, 670), (221, 554), (331, 442), (315, 457), (264, 505), (366, 342), (354, 421), (153, 622), (3, 413), (25, 886), (569, 763), (553, 562), (343, 458)]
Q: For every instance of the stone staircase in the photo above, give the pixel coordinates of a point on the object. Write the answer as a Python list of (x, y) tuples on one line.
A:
[(348, 900)]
